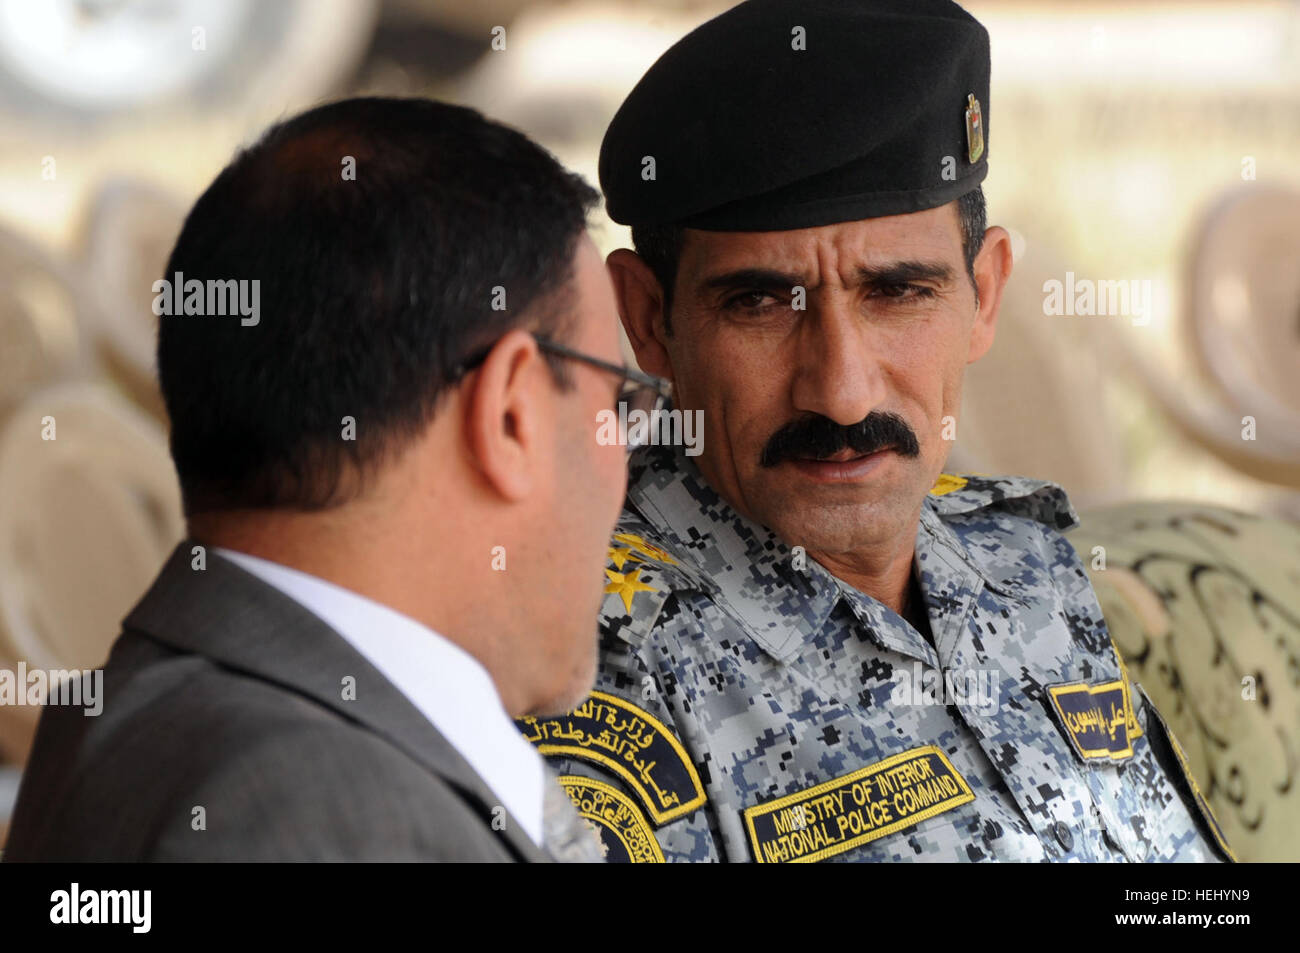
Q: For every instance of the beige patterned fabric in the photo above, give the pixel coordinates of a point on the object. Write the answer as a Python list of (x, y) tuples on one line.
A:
[(1204, 605)]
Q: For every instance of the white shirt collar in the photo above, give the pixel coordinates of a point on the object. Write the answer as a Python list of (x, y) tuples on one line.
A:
[(448, 685)]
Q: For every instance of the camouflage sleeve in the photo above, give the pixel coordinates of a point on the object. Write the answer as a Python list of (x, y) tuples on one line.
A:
[(625, 758), (630, 756), (692, 836), (1168, 753)]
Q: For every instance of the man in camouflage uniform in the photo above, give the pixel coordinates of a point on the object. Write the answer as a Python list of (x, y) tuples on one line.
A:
[(815, 645)]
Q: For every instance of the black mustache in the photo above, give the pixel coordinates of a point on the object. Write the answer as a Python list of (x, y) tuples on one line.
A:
[(816, 437)]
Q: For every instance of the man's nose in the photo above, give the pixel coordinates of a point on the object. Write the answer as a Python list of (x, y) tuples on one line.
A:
[(838, 374)]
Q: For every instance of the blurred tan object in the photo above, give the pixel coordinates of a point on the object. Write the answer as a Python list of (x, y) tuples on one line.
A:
[(1203, 604), (42, 328), (1032, 405), (1230, 379), (482, 15), (478, 17), (88, 517), (129, 236), (566, 68), (1245, 307)]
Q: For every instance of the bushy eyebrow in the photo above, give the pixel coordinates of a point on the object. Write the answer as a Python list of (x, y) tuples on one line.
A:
[(903, 272), (760, 279), (889, 273)]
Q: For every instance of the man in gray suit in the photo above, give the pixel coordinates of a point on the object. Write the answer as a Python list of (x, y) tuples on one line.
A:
[(385, 340)]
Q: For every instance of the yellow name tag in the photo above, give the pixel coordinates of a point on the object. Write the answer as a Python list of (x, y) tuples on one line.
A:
[(856, 809), (1096, 718)]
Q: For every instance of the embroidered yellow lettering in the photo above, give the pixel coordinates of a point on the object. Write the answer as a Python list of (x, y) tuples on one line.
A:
[(624, 831), (617, 735), (1096, 718), (860, 807)]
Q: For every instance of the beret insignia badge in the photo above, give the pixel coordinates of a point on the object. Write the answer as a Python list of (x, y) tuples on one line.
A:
[(974, 129)]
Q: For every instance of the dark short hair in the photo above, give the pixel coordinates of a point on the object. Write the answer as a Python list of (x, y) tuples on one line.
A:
[(374, 289), (661, 245)]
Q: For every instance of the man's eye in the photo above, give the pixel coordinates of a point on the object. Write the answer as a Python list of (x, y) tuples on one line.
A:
[(902, 292), (750, 300)]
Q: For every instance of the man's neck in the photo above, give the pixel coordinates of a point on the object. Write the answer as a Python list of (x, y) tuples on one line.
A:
[(883, 580), (355, 554)]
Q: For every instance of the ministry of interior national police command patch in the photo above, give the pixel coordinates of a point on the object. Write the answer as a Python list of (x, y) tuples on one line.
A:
[(615, 734), (624, 832), (870, 803), (1096, 718)]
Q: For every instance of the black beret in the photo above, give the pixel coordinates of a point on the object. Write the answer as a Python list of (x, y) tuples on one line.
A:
[(885, 111)]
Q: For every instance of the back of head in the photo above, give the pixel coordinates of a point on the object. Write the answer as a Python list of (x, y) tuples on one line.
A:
[(365, 242)]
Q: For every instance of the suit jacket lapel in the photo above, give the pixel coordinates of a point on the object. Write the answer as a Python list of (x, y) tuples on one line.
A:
[(235, 619)]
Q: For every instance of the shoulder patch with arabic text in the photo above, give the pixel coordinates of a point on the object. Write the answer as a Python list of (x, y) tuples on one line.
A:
[(1096, 718), (614, 733)]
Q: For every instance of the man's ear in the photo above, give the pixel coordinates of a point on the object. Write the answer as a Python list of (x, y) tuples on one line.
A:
[(640, 306), (992, 269), (505, 415)]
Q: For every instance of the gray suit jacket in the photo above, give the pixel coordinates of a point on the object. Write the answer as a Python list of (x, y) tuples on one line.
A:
[(226, 695)]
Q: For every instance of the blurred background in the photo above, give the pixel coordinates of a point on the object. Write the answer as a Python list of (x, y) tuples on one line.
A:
[(1155, 142)]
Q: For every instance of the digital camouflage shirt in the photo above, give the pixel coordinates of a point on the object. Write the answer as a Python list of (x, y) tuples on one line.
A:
[(751, 706)]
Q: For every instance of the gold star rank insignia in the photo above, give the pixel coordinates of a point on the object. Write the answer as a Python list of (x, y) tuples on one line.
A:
[(635, 542), (626, 585), (620, 555)]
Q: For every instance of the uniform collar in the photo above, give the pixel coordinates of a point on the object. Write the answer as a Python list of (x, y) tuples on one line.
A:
[(746, 568)]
